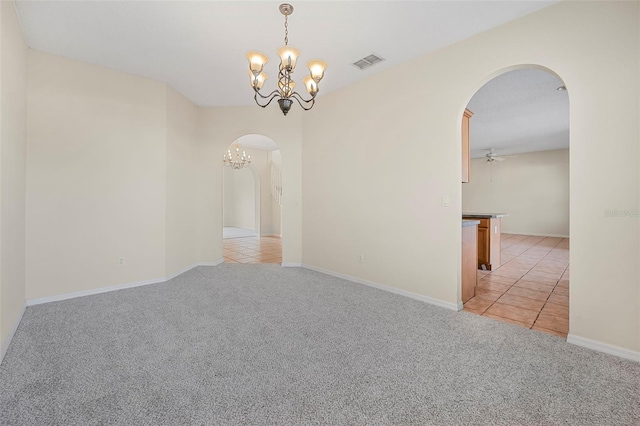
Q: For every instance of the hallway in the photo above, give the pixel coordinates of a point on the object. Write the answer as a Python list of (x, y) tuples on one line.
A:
[(252, 250), (531, 288)]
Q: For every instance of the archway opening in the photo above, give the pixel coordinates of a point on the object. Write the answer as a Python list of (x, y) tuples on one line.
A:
[(518, 192), (241, 200), (252, 203)]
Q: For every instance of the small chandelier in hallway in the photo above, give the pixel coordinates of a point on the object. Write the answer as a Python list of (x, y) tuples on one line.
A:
[(288, 57), (236, 159)]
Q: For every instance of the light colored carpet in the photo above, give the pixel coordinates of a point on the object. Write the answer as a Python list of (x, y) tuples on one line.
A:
[(261, 344), (235, 232)]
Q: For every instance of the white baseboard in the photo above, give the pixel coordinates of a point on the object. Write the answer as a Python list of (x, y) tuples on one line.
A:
[(73, 295), (65, 296), (426, 299), (271, 235), (575, 340), (7, 342), (216, 263), (180, 272), (195, 265), (604, 347), (291, 265), (533, 234)]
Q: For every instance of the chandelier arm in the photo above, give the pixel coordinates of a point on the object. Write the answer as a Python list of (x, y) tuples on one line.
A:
[(300, 100), (275, 92), (271, 97)]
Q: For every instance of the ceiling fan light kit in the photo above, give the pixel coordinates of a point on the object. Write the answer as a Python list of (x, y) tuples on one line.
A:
[(492, 156), (288, 60)]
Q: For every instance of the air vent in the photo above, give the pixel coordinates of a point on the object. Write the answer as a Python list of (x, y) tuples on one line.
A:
[(368, 61)]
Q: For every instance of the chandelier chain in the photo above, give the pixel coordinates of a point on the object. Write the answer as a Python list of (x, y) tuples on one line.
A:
[(286, 30)]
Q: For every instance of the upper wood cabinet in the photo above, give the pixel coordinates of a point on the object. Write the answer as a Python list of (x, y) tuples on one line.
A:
[(466, 151)]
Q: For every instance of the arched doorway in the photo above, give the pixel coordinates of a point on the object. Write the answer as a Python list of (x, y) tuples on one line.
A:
[(519, 166), (252, 207)]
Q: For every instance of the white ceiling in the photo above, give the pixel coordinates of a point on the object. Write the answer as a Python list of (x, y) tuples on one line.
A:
[(199, 47), (519, 111)]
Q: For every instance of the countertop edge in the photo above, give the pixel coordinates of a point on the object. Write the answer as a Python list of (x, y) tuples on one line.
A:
[(470, 222), (484, 215)]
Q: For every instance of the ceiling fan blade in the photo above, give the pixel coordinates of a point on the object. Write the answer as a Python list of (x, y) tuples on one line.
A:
[(499, 158)]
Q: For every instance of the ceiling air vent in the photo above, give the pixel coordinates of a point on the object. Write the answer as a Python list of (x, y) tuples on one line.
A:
[(368, 61)]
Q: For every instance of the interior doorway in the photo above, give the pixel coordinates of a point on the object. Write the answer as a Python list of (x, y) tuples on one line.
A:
[(519, 166), (252, 202), (241, 201)]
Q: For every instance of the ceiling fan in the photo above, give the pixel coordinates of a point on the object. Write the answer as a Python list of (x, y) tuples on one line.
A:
[(492, 156)]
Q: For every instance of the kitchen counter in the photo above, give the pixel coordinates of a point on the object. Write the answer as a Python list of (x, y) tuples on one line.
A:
[(489, 237), (484, 215), (469, 222)]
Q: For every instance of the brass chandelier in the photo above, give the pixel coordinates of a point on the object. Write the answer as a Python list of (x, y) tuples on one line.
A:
[(288, 58), (236, 159)]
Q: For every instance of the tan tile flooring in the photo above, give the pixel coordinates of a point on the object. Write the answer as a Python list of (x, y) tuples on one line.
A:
[(531, 288), (252, 250)]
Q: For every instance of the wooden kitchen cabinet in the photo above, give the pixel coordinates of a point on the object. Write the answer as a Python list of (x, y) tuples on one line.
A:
[(484, 248), (469, 259), (489, 236), (466, 150)]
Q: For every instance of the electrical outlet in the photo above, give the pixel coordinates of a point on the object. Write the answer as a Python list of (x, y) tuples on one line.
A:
[(121, 261), (360, 258)]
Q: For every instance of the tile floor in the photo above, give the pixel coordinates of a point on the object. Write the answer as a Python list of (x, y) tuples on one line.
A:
[(531, 288), (252, 250)]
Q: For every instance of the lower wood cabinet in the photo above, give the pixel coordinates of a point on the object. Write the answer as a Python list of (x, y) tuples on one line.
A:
[(489, 232), (469, 261)]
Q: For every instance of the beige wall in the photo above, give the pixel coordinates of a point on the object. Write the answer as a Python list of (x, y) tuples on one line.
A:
[(221, 126), (181, 185), (269, 208), (96, 177), (111, 161), (240, 206), (533, 188), (400, 153), (124, 167), (13, 139), (276, 209)]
